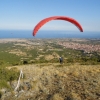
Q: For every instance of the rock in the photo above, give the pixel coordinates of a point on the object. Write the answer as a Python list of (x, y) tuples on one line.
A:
[(4, 90)]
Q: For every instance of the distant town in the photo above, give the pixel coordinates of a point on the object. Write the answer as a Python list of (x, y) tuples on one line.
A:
[(78, 46)]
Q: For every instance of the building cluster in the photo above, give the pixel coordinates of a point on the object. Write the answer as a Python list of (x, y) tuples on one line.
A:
[(78, 46)]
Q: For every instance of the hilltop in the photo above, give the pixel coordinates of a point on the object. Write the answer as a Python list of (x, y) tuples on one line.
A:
[(56, 82)]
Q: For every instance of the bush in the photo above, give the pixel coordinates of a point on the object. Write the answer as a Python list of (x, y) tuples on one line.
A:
[(25, 62), (3, 84), (7, 75), (0, 94)]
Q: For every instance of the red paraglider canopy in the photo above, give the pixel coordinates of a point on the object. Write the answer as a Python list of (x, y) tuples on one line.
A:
[(42, 22)]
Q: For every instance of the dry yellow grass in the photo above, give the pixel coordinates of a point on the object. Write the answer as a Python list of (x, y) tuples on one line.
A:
[(74, 82)]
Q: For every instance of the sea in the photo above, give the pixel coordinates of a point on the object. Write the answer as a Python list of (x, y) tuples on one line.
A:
[(48, 34)]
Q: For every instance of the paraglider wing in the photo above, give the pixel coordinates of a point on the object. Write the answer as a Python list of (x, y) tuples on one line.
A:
[(42, 22)]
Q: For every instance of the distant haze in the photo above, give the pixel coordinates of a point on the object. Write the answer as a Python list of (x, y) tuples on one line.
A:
[(47, 34)]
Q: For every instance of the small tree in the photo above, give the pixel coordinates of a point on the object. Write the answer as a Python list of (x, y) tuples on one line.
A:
[(25, 62)]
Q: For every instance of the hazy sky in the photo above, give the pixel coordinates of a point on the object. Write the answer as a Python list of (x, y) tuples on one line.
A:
[(25, 14)]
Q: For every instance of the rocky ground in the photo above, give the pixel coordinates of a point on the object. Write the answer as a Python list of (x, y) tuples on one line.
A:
[(56, 82)]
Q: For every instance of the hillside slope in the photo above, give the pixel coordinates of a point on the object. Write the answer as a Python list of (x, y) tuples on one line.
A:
[(53, 81)]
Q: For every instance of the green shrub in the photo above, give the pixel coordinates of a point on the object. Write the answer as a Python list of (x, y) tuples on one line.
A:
[(3, 84), (25, 62), (7, 75), (0, 94)]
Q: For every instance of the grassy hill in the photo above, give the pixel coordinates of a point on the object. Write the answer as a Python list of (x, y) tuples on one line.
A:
[(78, 78), (54, 81)]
